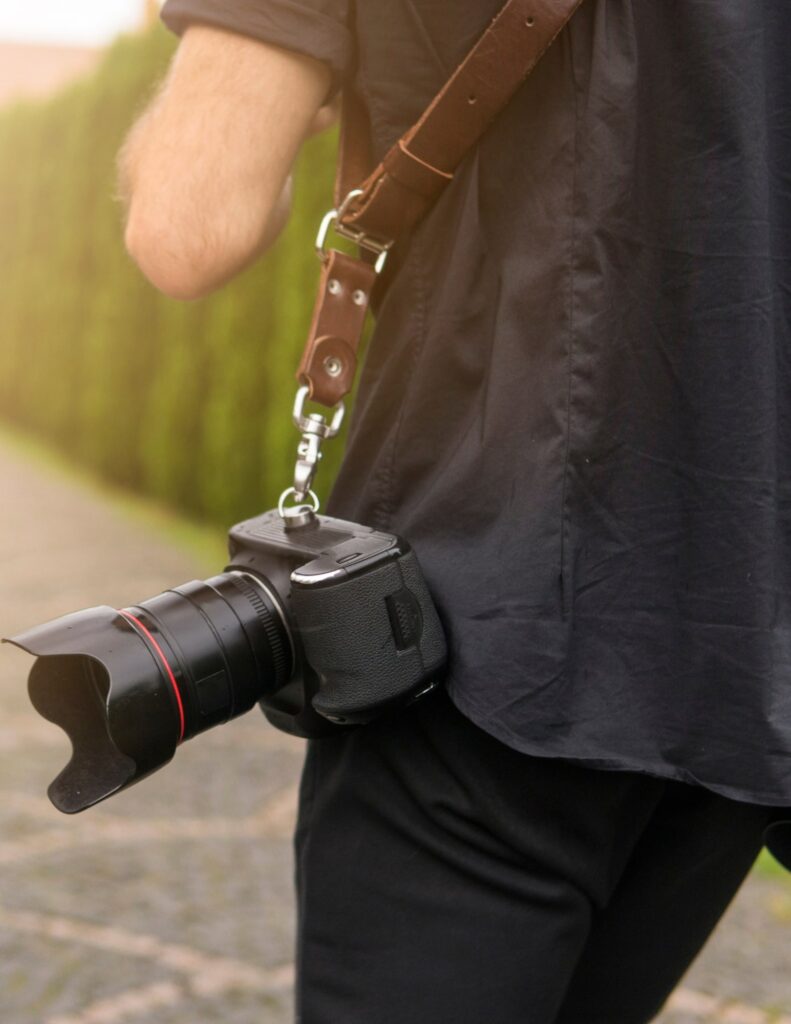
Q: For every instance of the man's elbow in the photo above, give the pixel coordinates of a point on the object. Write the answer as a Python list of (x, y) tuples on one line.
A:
[(191, 256), (180, 266)]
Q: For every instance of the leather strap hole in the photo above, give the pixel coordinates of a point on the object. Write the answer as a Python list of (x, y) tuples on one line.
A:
[(472, 99), (530, 21)]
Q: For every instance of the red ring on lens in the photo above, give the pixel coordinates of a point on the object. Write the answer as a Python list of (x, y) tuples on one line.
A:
[(152, 640)]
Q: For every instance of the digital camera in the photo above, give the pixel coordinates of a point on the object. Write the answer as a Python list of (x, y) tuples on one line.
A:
[(325, 623)]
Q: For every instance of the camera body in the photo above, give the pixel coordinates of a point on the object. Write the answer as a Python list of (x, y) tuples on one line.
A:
[(364, 633)]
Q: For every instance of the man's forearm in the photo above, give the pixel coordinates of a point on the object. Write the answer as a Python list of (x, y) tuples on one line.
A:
[(204, 172)]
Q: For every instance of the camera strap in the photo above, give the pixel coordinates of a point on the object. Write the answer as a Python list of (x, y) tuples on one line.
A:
[(377, 208)]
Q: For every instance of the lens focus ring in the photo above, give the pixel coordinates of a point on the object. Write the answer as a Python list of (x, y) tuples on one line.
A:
[(281, 658)]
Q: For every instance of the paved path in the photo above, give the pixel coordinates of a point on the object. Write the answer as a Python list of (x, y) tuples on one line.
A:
[(172, 903)]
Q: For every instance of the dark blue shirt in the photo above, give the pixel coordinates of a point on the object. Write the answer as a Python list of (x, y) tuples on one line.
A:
[(577, 402)]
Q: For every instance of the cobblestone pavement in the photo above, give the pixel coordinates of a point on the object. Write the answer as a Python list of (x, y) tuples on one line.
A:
[(172, 903)]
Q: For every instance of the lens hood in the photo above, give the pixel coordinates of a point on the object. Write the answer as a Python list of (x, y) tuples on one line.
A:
[(113, 692)]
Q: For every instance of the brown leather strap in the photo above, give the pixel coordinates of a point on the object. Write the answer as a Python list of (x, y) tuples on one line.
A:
[(417, 168), (399, 192), (354, 149), (329, 361)]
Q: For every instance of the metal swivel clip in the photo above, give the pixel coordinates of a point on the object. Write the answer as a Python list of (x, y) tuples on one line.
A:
[(315, 429)]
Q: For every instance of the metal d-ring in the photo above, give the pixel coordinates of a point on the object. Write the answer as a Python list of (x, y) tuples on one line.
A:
[(335, 217), (292, 491), (329, 218), (315, 423)]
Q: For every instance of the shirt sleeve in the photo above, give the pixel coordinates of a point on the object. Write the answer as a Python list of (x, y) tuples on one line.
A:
[(317, 28)]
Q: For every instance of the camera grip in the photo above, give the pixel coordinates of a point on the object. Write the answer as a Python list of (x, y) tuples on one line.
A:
[(374, 639)]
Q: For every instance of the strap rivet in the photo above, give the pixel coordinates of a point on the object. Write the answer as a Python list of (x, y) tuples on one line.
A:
[(334, 286), (333, 366), (359, 297)]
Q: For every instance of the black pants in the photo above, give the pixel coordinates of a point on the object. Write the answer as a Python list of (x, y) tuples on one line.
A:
[(444, 878)]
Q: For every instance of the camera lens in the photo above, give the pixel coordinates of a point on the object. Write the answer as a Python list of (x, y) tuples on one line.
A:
[(129, 685)]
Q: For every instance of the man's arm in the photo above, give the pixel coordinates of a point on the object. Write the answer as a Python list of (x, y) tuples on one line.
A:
[(205, 170)]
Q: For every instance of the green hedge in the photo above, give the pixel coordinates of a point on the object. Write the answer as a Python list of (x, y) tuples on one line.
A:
[(189, 403)]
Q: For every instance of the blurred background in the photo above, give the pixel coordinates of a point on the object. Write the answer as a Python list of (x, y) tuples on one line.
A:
[(133, 431), (93, 361)]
